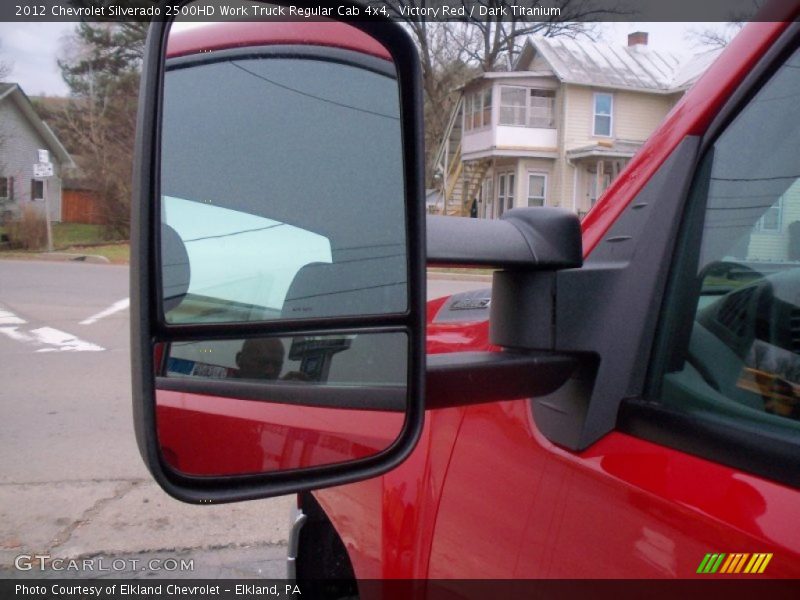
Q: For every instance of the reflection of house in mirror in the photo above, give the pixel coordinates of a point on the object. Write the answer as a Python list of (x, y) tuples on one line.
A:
[(776, 234), (560, 126), (22, 135)]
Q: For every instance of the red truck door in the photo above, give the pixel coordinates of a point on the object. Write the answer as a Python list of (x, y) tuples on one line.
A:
[(702, 475)]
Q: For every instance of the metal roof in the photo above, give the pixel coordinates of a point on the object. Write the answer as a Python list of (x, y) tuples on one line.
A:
[(623, 67)]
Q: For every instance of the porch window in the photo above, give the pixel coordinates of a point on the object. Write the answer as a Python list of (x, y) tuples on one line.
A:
[(37, 189), (525, 107), (541, 113), (536, 188), (6, 188), (478, 109), (487, 107), (603, 104), (512, 106)]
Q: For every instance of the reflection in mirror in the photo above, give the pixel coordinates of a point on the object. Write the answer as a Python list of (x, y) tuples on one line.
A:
[(282, 193), (258, 405)]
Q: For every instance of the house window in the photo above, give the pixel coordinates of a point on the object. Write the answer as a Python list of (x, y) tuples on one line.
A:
[(478, 109), (37, 189), (505, 193), (771, 220), (6, 188), (524, 107), (541, 113), (536, 188), (603, 104), (512, 106), (487, 107)]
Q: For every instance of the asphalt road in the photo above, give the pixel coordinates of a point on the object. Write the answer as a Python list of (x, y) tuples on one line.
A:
[(72, 484)]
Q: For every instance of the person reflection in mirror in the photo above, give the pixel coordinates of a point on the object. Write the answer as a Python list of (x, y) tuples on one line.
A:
[(260, 358)]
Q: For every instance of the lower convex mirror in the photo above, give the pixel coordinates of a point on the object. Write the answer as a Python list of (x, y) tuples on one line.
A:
[(259, 405)]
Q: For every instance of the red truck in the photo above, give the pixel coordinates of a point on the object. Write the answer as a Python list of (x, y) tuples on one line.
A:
[(624, 402)]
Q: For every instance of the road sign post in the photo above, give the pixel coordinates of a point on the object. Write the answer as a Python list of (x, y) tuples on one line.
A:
[(43, 169)]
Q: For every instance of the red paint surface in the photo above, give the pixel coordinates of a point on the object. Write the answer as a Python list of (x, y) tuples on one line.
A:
[(485, 495), (220, 36), (209, 435)]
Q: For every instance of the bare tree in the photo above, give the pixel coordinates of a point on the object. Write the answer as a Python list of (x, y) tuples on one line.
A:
[(712, 39), (6, 66), (101, 66)]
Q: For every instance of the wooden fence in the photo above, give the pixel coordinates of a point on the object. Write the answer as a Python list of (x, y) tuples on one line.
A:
[(81, 206)]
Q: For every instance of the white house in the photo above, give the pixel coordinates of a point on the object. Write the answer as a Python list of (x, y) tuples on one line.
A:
[(22, 135), (558, 127)]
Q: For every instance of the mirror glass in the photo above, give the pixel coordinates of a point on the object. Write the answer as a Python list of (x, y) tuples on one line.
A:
[(282, 189), (232, 407), (281, 198)]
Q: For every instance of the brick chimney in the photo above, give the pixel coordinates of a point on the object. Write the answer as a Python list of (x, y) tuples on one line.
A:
[(637, 38)]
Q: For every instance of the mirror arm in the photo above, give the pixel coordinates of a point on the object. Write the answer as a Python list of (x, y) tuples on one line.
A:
[(464, 378), (540, 238)]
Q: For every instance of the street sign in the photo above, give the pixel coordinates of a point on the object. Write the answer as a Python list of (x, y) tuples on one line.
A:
[(43, 156), (43, 169)]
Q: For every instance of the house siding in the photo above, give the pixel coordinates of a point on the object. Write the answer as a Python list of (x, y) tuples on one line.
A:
[(774, 245), (634, 115), (18, 144)]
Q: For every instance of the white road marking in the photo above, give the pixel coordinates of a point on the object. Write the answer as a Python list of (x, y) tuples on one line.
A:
[(114, 308), (63, 342), (17, 336), (50, 340), (9, 318)]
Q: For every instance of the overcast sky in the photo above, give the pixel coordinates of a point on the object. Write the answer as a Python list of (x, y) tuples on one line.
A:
[(33, 48)]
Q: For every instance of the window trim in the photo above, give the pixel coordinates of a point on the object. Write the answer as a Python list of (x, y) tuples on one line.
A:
[(759, 226), (596, 114), (544, 188), (475, 102), (527, 106)]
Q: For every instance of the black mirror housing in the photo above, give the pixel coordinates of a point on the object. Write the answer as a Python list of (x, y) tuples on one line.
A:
[(153, 336)]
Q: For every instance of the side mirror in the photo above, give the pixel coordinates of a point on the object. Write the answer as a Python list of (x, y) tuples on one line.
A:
[(277, 276)]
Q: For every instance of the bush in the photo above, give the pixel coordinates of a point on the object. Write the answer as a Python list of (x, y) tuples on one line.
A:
[(29, 230)]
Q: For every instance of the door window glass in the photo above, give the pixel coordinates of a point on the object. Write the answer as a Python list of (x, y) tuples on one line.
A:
[(742, 355)]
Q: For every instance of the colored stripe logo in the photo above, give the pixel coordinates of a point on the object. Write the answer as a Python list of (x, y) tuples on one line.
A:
[(731, 564)]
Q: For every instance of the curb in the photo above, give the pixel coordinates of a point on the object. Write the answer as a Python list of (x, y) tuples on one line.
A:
[(59, 257), (68, 257)]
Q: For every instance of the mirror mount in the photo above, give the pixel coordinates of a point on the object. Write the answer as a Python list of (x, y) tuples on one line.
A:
[(528, 246)]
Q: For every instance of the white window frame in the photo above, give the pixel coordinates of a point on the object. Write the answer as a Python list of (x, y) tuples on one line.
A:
[(529, 116), (466, 112), (474, 101), (544, 188), (760, 225), (595, 114), (506, 192), (527, 108)]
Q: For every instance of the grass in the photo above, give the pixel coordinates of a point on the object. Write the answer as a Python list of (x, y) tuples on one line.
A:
[(76, 234), (79, 238)]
